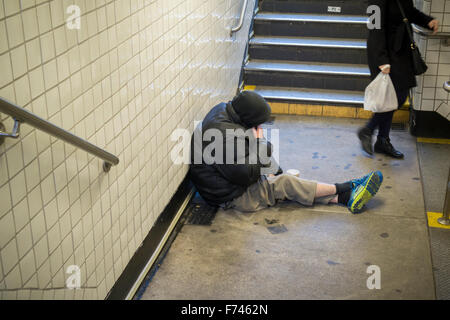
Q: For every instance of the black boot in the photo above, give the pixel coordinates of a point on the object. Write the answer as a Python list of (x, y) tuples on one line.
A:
[(365, 135), (384, 145)]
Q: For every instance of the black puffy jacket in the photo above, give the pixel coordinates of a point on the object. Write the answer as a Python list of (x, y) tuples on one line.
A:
[(222, 181)]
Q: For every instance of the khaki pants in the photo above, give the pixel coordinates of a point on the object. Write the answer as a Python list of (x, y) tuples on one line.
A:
[(268, 191)]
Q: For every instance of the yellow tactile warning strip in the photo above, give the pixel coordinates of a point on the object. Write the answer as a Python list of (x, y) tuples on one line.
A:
[(433, 220), (401, 116), (407, 104), (432, 140)]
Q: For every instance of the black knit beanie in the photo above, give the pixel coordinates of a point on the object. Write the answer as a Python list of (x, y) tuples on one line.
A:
[(251, 108)]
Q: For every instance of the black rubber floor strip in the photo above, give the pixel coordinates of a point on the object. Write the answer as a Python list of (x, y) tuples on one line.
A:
[(200, 213)]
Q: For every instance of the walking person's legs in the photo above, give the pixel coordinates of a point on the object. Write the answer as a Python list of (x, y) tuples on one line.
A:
[(383, 144), (384, 127), (382, 121), (365, 133)]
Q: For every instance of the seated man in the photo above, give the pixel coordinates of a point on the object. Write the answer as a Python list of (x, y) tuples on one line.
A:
[(239, 178)]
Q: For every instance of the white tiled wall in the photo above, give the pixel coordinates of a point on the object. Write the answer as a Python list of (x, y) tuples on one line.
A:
[(135, 71), (430, 95)]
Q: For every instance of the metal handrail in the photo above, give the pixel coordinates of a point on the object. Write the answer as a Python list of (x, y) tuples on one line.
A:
[(20, 115), (445, 219), (428, 33), (241, 20)]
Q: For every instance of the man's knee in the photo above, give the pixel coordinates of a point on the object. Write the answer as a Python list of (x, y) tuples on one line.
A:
[(285, 183), (285, 179)]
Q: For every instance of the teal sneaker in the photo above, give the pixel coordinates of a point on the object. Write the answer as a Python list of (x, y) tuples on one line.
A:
[(364, 191), (356, 182)]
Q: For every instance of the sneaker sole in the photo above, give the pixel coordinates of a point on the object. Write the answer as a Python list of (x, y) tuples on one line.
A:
[(369, 190)]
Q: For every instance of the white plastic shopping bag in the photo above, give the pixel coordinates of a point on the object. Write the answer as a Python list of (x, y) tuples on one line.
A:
[(380, 95)]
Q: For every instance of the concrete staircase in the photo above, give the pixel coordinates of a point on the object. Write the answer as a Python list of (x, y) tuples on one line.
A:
[(306, 58)]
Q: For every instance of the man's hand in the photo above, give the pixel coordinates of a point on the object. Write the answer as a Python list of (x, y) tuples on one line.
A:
[(386, 69), (258, 132), (434, 25)]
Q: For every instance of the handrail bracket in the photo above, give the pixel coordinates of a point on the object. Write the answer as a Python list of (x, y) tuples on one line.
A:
[(15, 134), (241, 19), (106, 166)]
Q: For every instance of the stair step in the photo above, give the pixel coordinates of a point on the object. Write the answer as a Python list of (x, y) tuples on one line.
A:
[(305, 67), (332, 97), (311, 49), (310, 42), (354, 7), (320, 18), (311, 25), (327, 76)]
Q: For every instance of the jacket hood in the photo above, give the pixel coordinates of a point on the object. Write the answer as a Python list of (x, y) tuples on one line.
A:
[(252, 109)]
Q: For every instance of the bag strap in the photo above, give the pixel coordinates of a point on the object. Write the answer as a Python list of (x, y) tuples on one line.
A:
[(408, 25)]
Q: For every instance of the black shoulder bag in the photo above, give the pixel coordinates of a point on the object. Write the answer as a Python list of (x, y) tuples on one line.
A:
[(419, 66)]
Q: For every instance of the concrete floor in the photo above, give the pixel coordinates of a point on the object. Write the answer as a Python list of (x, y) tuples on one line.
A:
[(314, 253)]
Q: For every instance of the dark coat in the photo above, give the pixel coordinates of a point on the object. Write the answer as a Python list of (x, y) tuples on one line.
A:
[(223, 182), (391, 44)]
